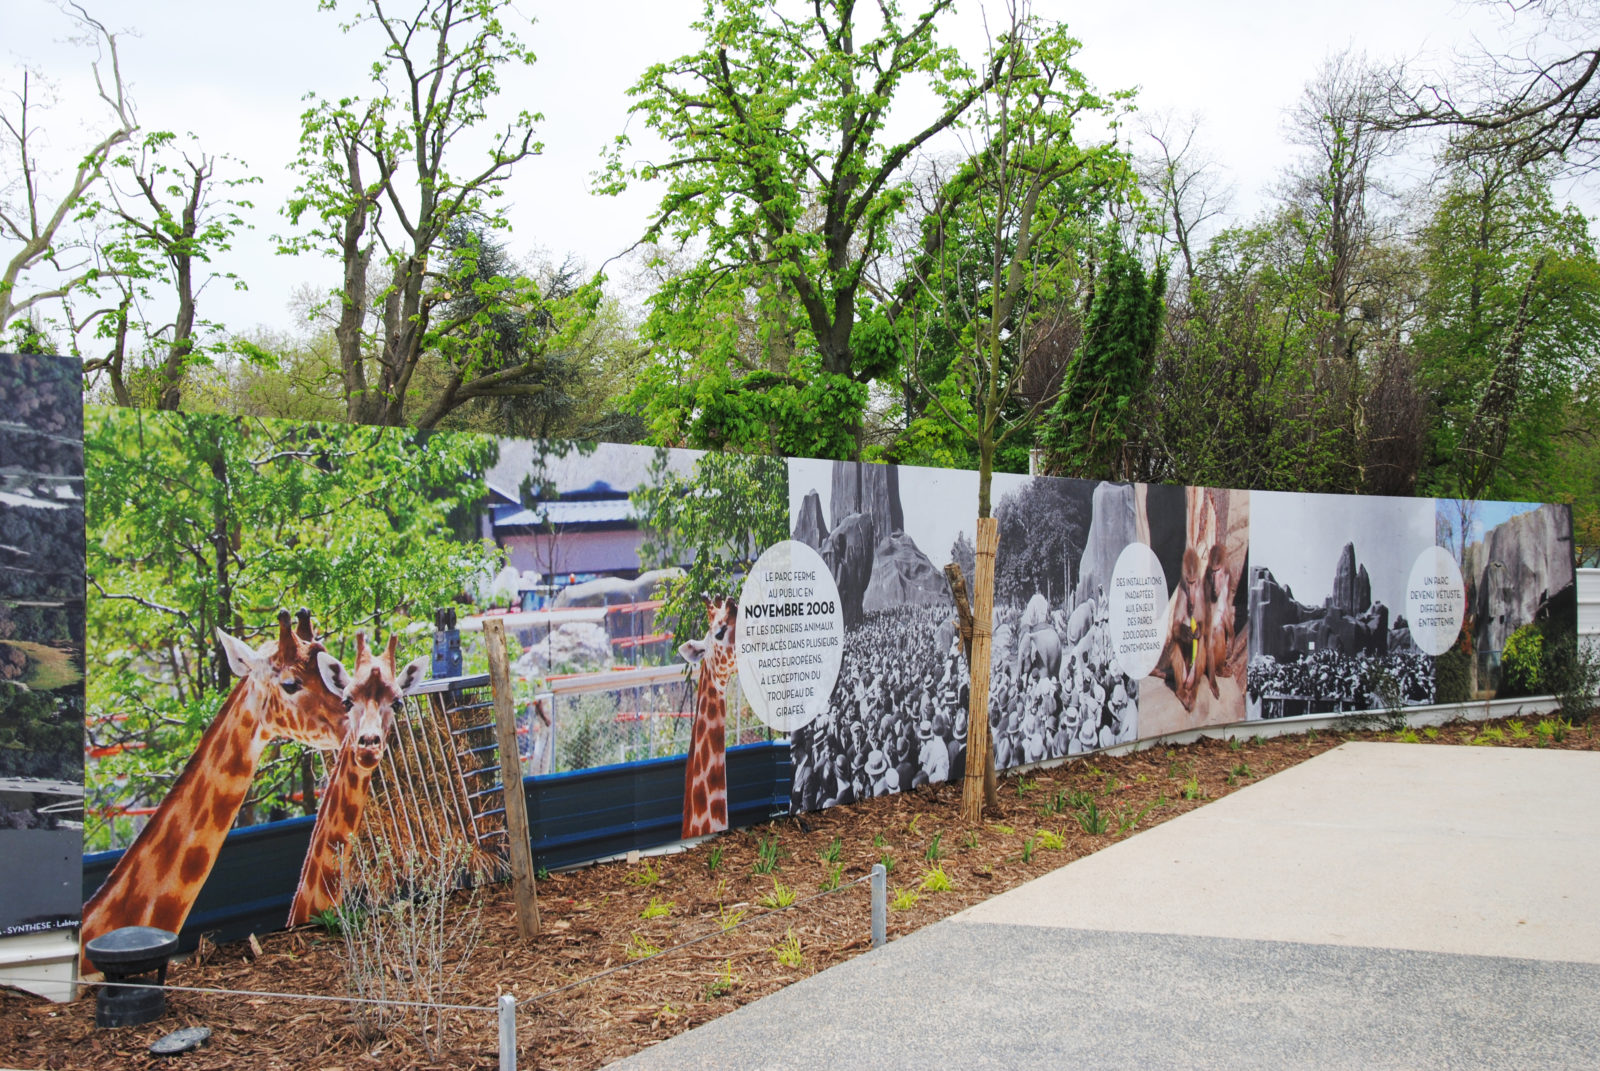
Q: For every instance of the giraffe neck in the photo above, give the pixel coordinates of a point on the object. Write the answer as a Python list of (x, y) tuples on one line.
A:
[(705, 787), (338, 821), (157, 879)]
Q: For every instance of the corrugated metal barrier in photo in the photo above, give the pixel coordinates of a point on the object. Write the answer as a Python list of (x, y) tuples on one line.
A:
[(573, 818)]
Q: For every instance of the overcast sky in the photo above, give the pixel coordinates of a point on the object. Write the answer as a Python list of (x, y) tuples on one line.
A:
[(235, 75)]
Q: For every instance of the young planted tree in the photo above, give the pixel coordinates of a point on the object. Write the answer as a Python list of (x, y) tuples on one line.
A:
[(1019, 187), (783, 183), (382, 185)]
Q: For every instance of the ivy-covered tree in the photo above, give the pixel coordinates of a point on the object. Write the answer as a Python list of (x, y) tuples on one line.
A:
[(1096, 412), (1511, 322)]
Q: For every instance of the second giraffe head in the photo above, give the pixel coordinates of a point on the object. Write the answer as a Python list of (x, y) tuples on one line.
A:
[(373, 693), (717, 647)]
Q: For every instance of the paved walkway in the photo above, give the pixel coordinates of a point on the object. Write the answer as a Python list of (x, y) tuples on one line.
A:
[(1381, 906)]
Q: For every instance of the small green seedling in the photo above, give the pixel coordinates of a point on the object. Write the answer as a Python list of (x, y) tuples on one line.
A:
[(831, 853), (657, 908), (936, 881), (1091, 819), (644, 876), (1129, 819), (714, 858), (728, 919), (834, 879), (639, 948), (723, 983), (781, 896), (904, 900), (933, 853), (766, 856), (1049, 841), (1027, 849), (788, 951)]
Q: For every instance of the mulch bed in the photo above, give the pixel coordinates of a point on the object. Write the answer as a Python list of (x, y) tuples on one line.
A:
[(592, 918)]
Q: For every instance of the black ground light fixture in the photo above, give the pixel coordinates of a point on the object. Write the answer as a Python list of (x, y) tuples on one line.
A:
[(132, 954)]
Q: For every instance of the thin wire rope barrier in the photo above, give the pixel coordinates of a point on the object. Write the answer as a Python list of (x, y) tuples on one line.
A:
[(690, 943), (321, 997)]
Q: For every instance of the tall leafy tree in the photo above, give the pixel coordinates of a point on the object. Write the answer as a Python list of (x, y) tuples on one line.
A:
[(166, 213), (1511, 325), (382, 184), (783, 181)]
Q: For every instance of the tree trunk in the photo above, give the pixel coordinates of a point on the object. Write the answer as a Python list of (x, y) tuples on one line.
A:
[(978, 751), (958, 588)]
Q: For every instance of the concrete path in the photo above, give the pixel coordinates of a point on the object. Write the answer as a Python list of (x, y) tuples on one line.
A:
[(1381, 906)]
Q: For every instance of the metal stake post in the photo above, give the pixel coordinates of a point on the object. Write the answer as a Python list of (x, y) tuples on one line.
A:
[(508, 1032), (880, 905)]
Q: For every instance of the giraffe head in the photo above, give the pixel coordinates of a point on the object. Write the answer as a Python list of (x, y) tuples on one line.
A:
[(293, 684), (716, 649), (372, 695)]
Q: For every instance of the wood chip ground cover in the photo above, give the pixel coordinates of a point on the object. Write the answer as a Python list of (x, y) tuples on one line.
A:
[(593, 919)]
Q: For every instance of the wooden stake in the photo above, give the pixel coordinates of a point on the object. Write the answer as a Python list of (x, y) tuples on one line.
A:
[(958, 590), (505, 723), (978, 751)]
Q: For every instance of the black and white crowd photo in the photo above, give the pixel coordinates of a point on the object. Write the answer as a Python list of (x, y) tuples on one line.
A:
[(897, 718), (1328, 579)]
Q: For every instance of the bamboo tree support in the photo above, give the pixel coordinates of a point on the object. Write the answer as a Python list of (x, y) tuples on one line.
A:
[(516, 804), (979, 754), (958, 591)]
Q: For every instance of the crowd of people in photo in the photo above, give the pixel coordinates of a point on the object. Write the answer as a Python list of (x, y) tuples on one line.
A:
[(1040, 711), (1328, 682), (897, 718)]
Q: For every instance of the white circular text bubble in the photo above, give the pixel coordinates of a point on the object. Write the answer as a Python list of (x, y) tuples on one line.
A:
[(1138, 610), (791, 635), (1436, 601)]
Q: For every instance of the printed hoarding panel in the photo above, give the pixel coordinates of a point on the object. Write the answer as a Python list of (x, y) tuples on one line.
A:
[(1122, 612), (266, 594), (41, 643), (1119, 613)]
